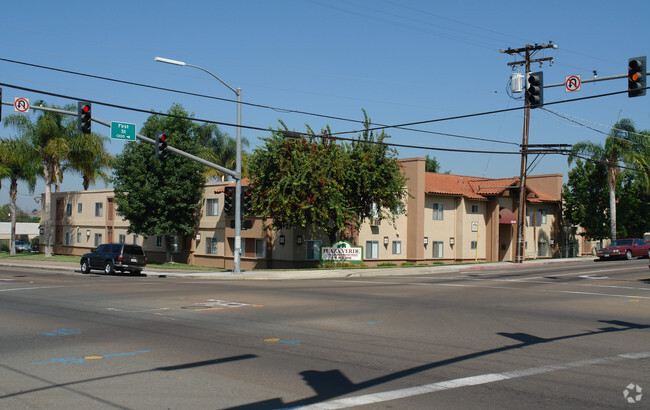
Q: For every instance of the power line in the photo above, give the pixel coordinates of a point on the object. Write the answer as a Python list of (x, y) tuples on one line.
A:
[(277, 109), (290, 133)]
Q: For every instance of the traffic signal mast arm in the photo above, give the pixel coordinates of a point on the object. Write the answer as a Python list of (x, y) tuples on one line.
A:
[(142, 138)]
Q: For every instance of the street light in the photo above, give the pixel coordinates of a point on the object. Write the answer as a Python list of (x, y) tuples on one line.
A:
[(237, 257)]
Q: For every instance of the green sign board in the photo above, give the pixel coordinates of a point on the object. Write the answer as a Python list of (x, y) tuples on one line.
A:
[(342, 251), (122, 131)]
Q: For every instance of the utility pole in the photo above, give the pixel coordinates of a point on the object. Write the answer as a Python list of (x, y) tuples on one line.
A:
[(526, 53)]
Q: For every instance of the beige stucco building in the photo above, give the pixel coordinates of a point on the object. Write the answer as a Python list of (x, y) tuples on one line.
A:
[(448, 218)]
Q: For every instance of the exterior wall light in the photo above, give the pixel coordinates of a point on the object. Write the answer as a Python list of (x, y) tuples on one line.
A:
[(385, 240), (452, 241), (426, 240), (299, 239)]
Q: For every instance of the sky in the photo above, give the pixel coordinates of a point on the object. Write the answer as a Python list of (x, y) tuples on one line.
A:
[(401, 61)]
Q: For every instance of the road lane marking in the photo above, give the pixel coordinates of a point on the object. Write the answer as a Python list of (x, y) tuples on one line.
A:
[(379, 397), (34, 287)]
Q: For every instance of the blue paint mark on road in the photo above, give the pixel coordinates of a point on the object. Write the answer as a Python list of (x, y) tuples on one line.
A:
[(370, 323), (63, 332), (293, 342), (73, 359)]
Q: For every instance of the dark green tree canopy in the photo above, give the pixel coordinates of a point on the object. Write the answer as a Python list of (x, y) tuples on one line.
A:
[(316, 183), (161, 198)]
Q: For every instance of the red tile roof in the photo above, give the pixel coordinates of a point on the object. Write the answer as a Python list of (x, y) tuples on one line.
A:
[(475, 187)]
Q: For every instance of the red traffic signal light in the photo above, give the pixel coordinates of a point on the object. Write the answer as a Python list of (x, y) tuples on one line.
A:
[(636, 76), (84, 117), (161, 146), (247, 200), (229, 201)]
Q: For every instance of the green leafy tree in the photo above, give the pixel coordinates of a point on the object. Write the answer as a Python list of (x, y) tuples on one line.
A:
[(315, 183), (432, 164), (218, 148), (618, 148), (633, 201), (161, 198), (19, 157), (89, 158), (586, 199)]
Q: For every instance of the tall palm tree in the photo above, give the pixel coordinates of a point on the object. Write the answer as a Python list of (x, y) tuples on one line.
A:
[(21, 164), (89, 157), (619, 148), (48, 135)]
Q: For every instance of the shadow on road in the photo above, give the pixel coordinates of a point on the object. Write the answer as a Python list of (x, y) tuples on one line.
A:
[(333, 383)]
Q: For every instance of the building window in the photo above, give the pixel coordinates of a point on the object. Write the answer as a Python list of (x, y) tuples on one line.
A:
[(135, 239), (474, 209), (437, 211), (98, 239), (211, 246), (79, 208), (99, 209), (372, 249), (397, 247), (473, 245), (212, 207), (438, 249), (260, 248), (159, 240), (78, 236), (68, 238), (313, 250), (122, 238), (68, 209), (542, 248)]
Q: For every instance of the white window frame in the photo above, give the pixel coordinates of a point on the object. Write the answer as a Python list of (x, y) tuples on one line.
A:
[(473, 245), (474, 209), (79, 207), (438, 211), (313, 250), (372, 250), (212, 207), (397, 247), (121, 238), (78, 236), (98, 239), (68, 238), (159, 241), (68, 209), (260, 248), (438, 249), (99, 209), (211, 246)]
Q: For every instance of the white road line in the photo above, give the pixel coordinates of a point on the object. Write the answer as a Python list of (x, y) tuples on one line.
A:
[(466, 381), (34, 287)]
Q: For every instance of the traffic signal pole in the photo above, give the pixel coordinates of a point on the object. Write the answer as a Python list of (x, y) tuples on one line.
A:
[(528, 52)]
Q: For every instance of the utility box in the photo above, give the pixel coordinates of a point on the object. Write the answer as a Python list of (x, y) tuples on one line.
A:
[(517, 82)]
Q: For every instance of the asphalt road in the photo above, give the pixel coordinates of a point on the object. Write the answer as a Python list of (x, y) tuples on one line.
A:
[(551, 336)]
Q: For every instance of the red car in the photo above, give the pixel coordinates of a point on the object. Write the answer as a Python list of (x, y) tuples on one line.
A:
[(624, 248)]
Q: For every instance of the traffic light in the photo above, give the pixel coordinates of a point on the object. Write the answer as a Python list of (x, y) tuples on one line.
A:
[(229, 201), (246, 200), (161, 146), (535, 89), (83, 117), (636, 77)]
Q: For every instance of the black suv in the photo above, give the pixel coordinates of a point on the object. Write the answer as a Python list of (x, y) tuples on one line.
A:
[(111, 257)]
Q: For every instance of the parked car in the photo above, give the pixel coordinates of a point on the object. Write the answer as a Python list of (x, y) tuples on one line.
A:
[(625, 248), (22, 246), (111, 257)]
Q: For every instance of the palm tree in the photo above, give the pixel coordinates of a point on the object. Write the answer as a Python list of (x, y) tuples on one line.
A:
[(619, 148), (20, 164), (218, 148), (48, 135), (89, 157)]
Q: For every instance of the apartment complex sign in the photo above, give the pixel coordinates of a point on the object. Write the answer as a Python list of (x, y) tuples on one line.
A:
[(342, 251)]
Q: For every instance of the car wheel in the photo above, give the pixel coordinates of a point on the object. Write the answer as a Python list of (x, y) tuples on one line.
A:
[(628, 255), (108, 268), (85, 267)]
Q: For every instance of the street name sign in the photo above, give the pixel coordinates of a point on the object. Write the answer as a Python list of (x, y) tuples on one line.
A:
[(122, 131)]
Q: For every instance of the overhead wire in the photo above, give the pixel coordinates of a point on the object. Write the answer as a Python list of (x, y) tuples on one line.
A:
[(277, 109)]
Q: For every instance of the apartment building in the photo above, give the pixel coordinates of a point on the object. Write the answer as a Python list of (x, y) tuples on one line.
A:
[(448, 218)]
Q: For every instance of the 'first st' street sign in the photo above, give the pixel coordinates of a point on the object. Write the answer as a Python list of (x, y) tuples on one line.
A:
[(122, 131)]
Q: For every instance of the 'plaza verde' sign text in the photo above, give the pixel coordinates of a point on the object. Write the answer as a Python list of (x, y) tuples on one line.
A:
[(342, 251)]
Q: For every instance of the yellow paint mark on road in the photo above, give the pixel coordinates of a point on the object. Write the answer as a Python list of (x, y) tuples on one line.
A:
[(93, 357), (275, 339)]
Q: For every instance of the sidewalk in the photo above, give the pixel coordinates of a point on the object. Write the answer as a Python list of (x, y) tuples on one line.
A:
[(73, 268)]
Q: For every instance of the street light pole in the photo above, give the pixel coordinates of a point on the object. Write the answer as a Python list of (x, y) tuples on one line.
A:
[(237, 256)]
